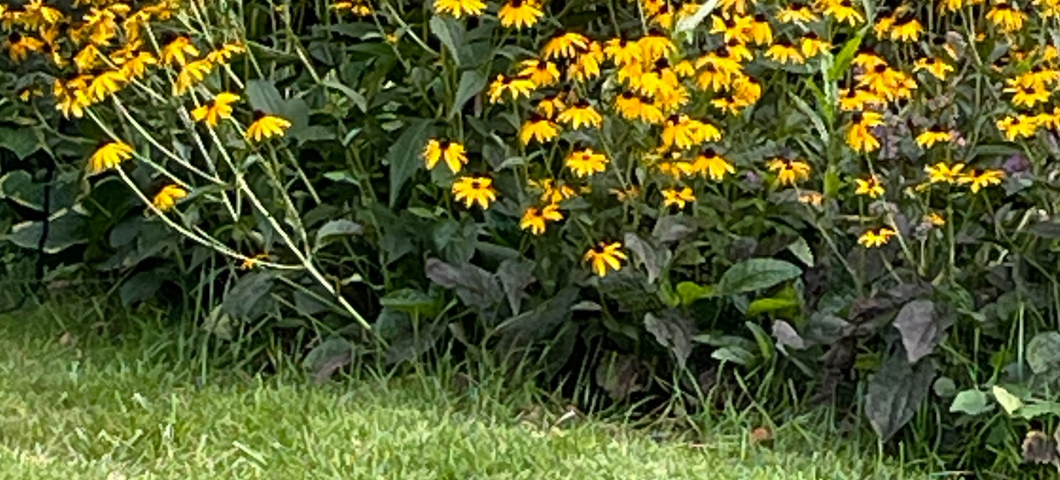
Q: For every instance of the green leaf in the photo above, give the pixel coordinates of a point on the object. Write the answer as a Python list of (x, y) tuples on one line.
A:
[(971, 402), (445, 29), (765, 344), (756, 274), (1037, 409), (65, 230), (249, 298), (802, 251), (919, 328), (412, 301), (331, 355), (1043, 352), (350, 93), (22, 142), (772, 304), (1009, 402), (895, 393), (404, 156), (673, 331), (475, 287), (334, 229), (141, 287), (262, 95), (845, 57), (471, 83), (690, 292), (737, 355), (515, 274), (810, 113)]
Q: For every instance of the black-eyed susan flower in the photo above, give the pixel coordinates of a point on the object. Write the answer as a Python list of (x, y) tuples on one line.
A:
[(978, 179), (136, 65), (222, 54), (842, 11), (553, 192), (587, 64), (731, 28), (684, 132), (714, 79), (72, 97), (538, 128), (109, 155), (935, 66), (876, 237), (655, 45), (360, 8), (943, 173), (854, 99), (580, 114), (737, 51), (564, 45), (761, 30), (859, 135), (520, 13), (19, 46), (178, 51), (266, 126), (934, 219), (191, 74), (867, 60), (870, 187), (810, 45), (87, 58), (452, 153), (216, 110), (1028, 96), (550, 106), (789, 172), (950, 6), (677, 168), (929, 138), (628, 105), (1006, 17), (460, 8), (168, 197), (811, 198), (472, 190), (679, 198), (586, 162), (623, 52), (535, 219), (515, 87), (605, 256), (1017, 127), (739, 7), (542, 72), (784, 52), (796, 12), (106, 84), (710, 164)]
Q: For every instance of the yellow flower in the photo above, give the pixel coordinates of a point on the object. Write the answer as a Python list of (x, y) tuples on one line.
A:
[(460, 8), (136, 66), (538, 128), (542, 72), (796, 12), (1028, 96), (168, 197), (361, 8), (553, 193), (109, 155), (934, 219), (789, 171), (672, 196), (215, 111), (906, 32), (581, 114), (876, 238), (564, 46), (452, 152), (221, 55), (870, 187), (19, 46), (977, 179), (534, 219), (586, 162), (841, 10), (191, 74), (859, 136), (784, 52), (709, 163), (178, 50), (930, 137), (1006, 17), (935, 66), (516, 87), (811, 45), (587, 64), (685, 132), (266, 126), (519, 13), (677, 169), (623, 52), (605, 256), (655, 45), (106, 83), (251, 262), (474, 190), (811, 198), (858, 99), (1017, 127), (942, 173)]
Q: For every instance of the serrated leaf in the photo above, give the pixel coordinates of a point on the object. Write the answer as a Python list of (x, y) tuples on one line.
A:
[(1043, 352), (971, 402), (404, 156), (895, 392), (471, 83), (1009, 402), (756, 274)]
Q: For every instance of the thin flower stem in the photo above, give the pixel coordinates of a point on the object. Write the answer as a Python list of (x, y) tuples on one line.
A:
[(175, 179), (154, 142)]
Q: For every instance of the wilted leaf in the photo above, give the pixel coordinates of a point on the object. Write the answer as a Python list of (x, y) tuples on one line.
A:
[(515, 275), (1039, 448), (1009, 402), (646, 254), (787, 336), (334, 229), (920, 329), (971, 402), (475, 286), (673, 331), (404, 155), (756, 274), (895, 392), (1043, 352)]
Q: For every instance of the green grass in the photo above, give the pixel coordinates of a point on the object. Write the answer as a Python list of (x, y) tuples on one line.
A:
[(98, 409)]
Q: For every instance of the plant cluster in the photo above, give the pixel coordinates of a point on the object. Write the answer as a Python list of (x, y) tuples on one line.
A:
[(720, 199)]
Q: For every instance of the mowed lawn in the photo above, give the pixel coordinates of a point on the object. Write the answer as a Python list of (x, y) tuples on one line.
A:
[(86, 407)]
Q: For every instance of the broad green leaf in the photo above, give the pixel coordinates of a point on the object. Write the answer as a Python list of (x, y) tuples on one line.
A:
[(1037, 409), (471, 83), (756, 274), (811, 114), (515, 274), (65, 229), (249, 298), (327, 357), (802, 251), (772, 304), (141, 286), (895, 393), (971, 402), (443, 27), (737, 355), (404, 156), (22, 142), (1043, 352), (920, 329), (845, 56), (262, 95), (673, 331), (1009, 402), (475, 286), (336, 228), (690, 292)]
